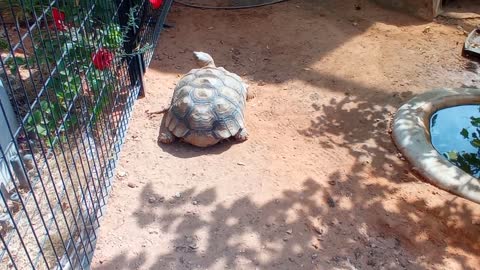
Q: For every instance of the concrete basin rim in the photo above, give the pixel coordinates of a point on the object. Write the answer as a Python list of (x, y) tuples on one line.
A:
[(411, 135)]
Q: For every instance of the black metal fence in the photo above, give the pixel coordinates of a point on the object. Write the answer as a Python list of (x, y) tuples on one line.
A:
[(70, 72)]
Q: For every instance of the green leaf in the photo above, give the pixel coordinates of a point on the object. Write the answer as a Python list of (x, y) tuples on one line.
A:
[(475, 121), (37, 116), (464, 133), (42, 130), (3, 44), (45, 106), (452, 155), (475, 143)]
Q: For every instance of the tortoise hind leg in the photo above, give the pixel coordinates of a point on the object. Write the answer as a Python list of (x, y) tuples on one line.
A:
[(165, 136), (251, 95), (242, 135)]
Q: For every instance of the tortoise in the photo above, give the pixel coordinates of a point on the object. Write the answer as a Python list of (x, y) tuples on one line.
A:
[(207, 106)]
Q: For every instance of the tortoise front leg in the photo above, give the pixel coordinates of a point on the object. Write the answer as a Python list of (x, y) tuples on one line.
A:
[(165, 136), (250, 93)]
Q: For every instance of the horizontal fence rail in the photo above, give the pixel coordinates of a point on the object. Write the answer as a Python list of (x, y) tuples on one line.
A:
[(70, 72)]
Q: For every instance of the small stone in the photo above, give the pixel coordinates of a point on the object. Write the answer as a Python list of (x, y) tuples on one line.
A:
[(177, 195), (289, 231), (131, 185), (121, 174), (152, 231), (330, 202), (335, 259), (152, 199), (332, 182), (285, 239), (240, 163), (195, 202), (314, 256), (318, 230)]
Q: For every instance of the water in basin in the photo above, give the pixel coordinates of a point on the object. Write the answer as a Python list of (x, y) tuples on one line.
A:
[(455, 134)]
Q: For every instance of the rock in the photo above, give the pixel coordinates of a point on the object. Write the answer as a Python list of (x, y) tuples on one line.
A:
[(177, 195), (131, 185), (195, 202), (330, 202), (335, 259), (314, 256), (289, 231), (240, 163), (152, 199), (121, 174)]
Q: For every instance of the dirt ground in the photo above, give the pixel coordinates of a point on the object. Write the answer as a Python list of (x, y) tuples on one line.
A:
[(319, 184)]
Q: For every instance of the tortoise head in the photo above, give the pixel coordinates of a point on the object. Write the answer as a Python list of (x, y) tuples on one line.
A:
[(203, 59)]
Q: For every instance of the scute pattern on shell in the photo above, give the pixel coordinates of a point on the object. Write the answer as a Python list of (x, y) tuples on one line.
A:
[(207, 105)]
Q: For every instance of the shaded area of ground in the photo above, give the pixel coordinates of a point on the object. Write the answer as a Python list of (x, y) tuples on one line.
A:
[(319, 184)]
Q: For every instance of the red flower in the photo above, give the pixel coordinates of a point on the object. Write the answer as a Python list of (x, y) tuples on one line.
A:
[(102, 59), (156, 3), (59, 19)]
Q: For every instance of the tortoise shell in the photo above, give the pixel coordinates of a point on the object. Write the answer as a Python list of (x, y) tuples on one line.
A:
[(207, 106)]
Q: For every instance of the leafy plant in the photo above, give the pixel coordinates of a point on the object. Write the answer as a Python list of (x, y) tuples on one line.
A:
[(82, 55)]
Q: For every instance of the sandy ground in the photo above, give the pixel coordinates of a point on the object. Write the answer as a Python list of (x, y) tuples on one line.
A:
[(319, 184)]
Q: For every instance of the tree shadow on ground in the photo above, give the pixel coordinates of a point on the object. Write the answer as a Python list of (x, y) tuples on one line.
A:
[(341, 225), (347, 222)]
